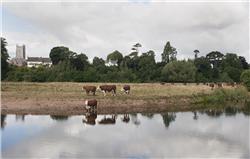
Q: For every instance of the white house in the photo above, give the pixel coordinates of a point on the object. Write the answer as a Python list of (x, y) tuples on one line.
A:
[(112, 63), (38, 61)]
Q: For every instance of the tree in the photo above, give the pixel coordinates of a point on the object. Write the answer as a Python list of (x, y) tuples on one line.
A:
[(135, 49), (98, 61), (245, 78), (204, 69), (79, 62), (4, 58), (115, 56), (244, 63), (231, 64), (196, 52), (146, 66), (179, 71), (215, 58), (169, 53), (59, 53)]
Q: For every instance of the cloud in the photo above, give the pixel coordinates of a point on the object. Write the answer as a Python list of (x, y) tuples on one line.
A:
[(97, 29)]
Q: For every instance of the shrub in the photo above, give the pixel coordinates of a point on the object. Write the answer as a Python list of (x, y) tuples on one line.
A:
[(245, 78), (224, 96)]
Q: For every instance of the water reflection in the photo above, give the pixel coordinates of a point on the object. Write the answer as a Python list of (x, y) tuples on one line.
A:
[(168, 118), (149, 115), (132, 136), (59, 117), (20, 118), (126, 118), (195, 115), (3, 122), (90, 118), (135, 120), (108, 120)]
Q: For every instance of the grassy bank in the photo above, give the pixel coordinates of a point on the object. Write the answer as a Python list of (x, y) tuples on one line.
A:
[(67, 90), (238, 97), (68, 98)]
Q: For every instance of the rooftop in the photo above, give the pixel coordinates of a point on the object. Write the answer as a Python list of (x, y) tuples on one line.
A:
[(38, 59)]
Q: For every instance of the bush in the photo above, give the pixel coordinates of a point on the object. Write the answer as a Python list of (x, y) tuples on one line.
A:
[(245, 78), (225, 96)]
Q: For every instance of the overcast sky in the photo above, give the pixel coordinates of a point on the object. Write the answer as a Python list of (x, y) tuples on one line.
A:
[(97, 29)]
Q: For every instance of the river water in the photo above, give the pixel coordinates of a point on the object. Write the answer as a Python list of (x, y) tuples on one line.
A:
[(206, 134)]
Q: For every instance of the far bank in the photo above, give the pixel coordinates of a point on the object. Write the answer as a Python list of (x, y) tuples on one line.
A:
[(68, 98)]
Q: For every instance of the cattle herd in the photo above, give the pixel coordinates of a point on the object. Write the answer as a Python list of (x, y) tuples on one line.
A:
[(91, 105)]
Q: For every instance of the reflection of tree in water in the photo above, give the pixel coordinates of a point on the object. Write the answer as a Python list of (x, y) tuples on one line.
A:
[(168, 118), (149, 115), (59, 117), (230, 111), (213, 113), (246, 109), (3, 123), (134, 119), (195, 115), (20, 117)]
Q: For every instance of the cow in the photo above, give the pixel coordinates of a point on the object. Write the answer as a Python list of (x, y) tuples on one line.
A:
[(89, 89), (108, 88), (219, 85), (232, 84), (211, 85), (91, 105), (126, 89)]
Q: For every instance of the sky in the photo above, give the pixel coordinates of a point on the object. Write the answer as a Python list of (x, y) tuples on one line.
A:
[(99, 28)]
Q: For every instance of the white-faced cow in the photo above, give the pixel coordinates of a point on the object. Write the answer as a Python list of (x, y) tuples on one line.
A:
[(91, 105), (108, 88), (211, 85), (89, 89), (126, 89)]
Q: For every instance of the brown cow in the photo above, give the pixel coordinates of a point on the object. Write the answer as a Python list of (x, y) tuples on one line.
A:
[(232, 84), (219, 85), (91, 105), (108, 88), (89, 89), (211, 85), (126, 89)]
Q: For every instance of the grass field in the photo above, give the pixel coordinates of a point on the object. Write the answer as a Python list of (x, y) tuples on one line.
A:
[(68, 90), (58, 97)]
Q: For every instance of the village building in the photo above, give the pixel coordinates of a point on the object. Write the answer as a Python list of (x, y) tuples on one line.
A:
[(38, 61)]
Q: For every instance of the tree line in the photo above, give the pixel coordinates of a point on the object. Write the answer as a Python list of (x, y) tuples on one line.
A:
[(134, 67)]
